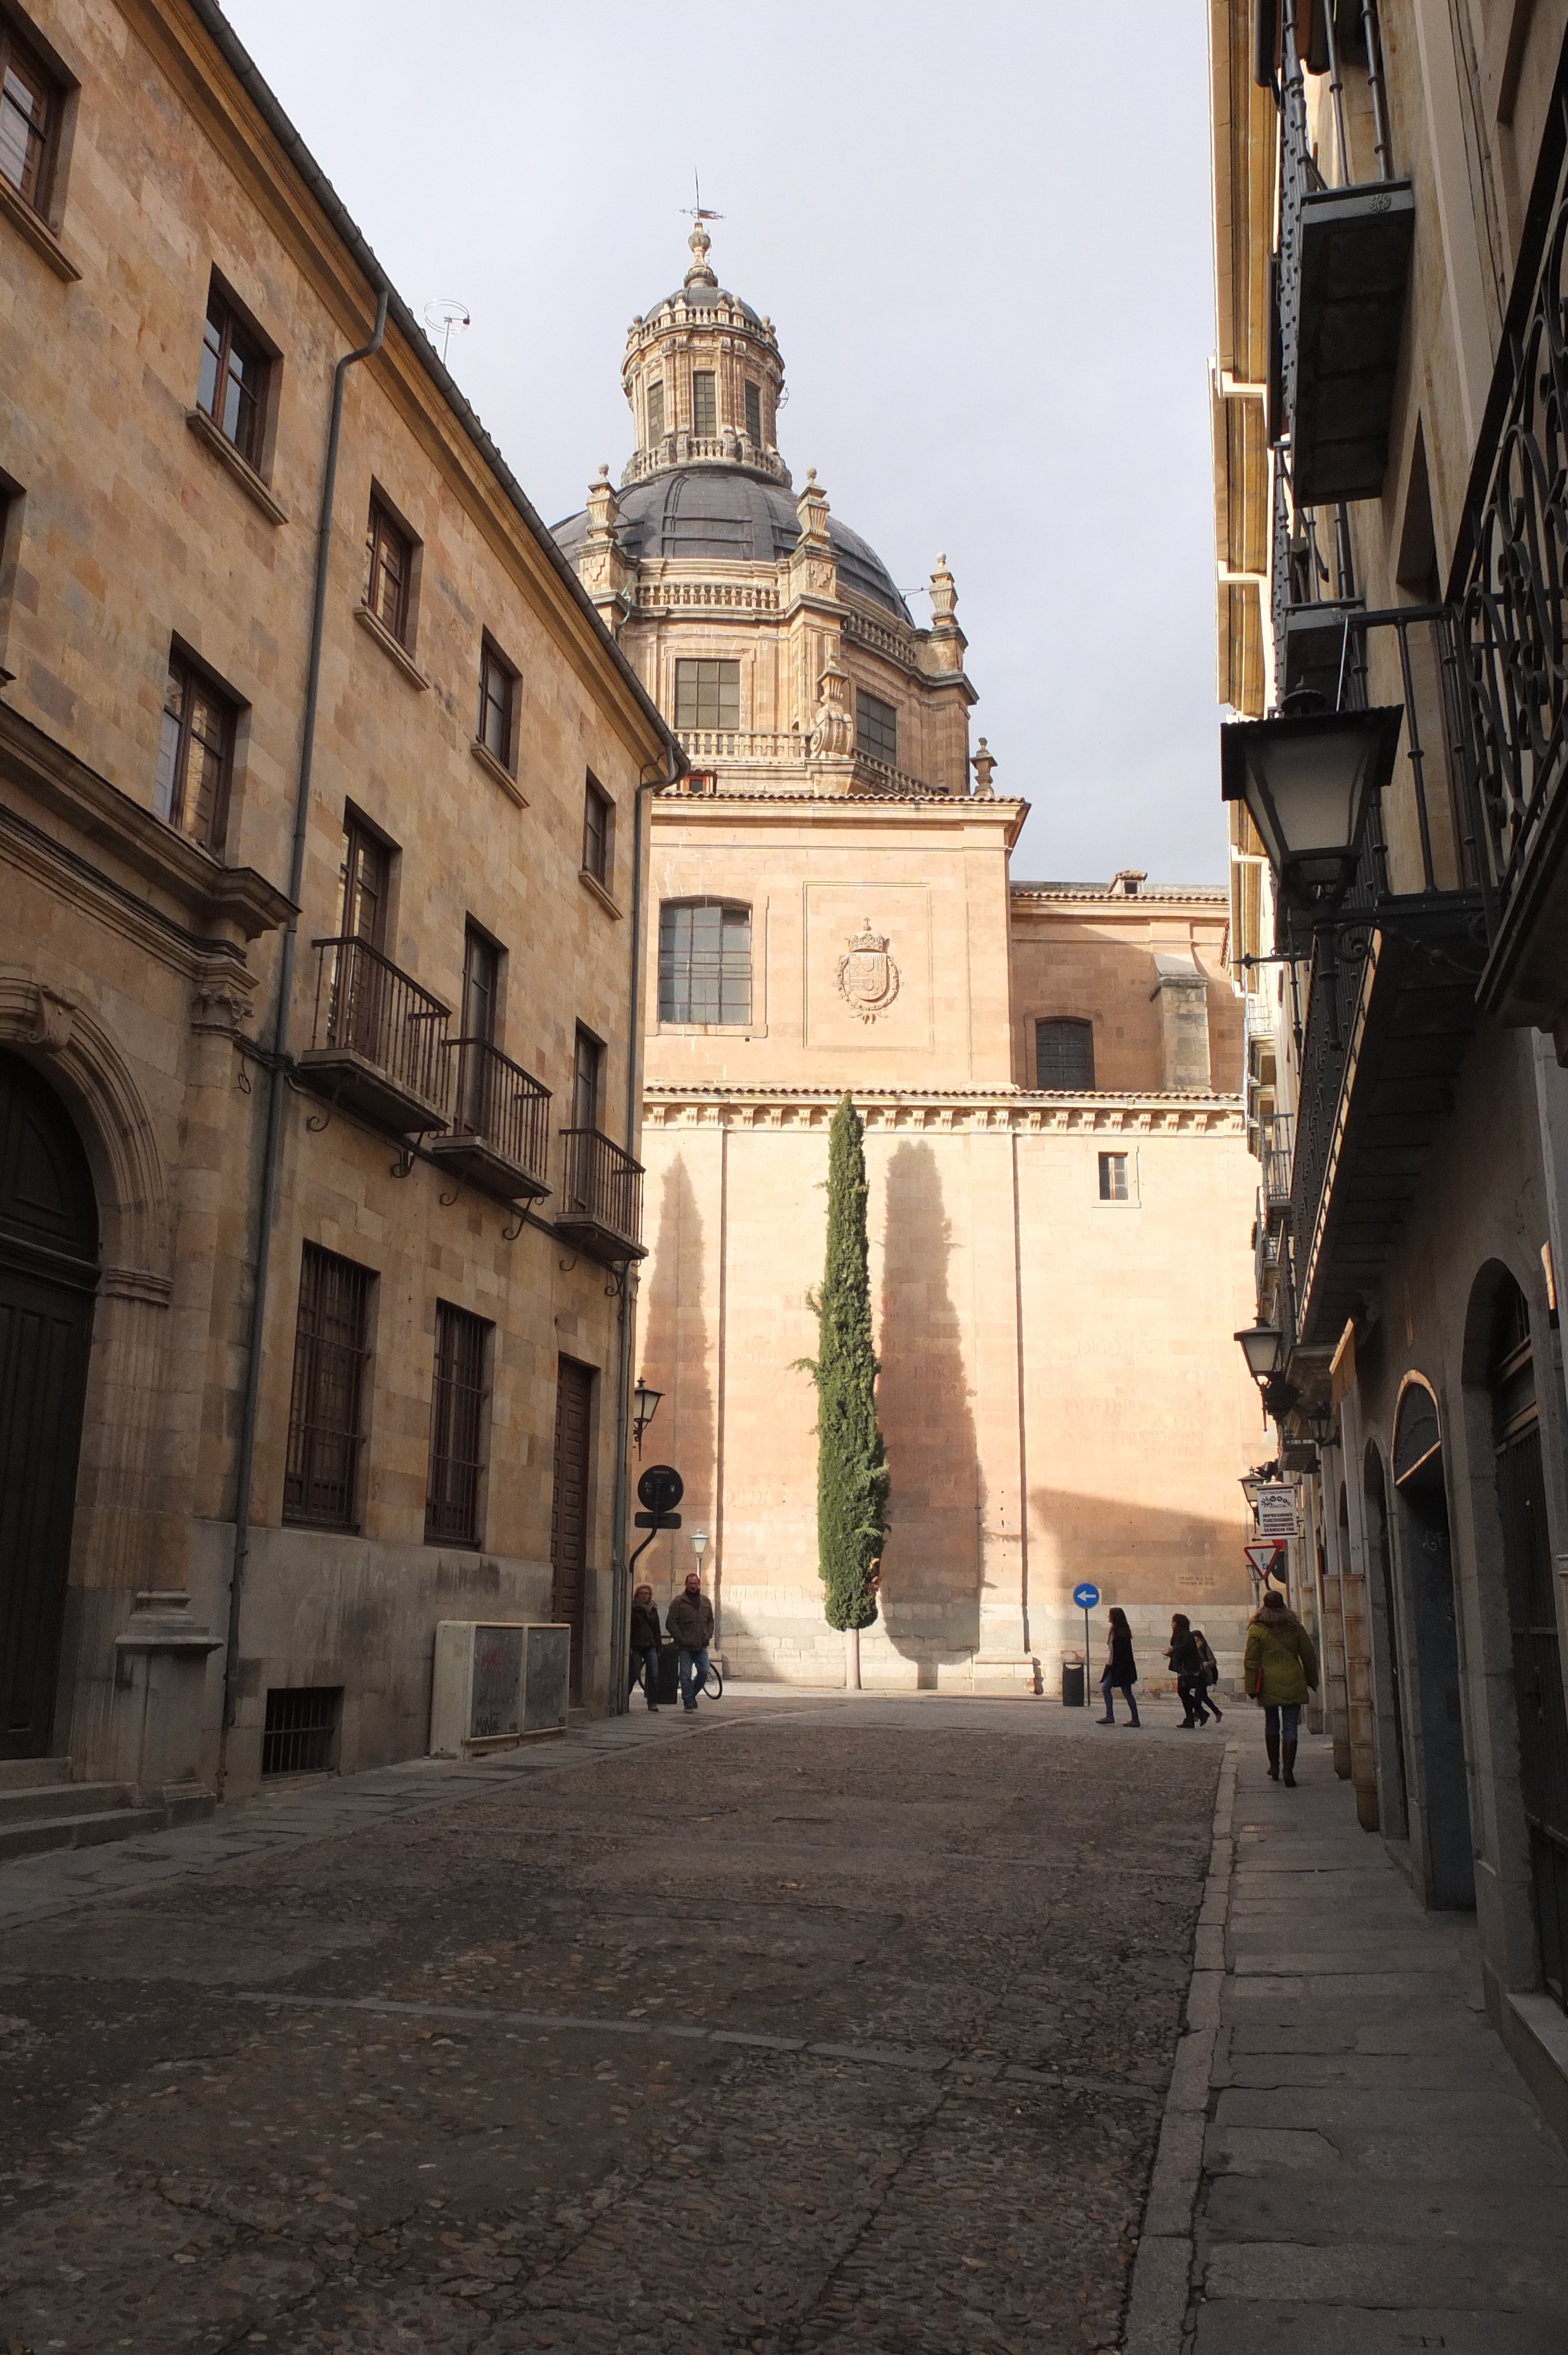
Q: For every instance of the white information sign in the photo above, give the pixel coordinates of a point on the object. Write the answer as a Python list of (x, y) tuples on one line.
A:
[(1276, 1512)]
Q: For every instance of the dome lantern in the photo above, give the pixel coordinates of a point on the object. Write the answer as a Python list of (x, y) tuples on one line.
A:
[(704, 380)]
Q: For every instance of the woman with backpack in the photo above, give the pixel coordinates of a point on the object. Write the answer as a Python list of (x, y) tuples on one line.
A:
[(1211, 1675), (1186, 1664), (1279, 1669)]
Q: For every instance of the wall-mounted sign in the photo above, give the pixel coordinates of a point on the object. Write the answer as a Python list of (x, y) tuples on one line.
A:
[(1276, 1512)]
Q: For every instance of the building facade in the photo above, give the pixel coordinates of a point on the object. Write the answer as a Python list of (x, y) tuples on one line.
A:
[(1058, 1167), (1390, 535), (320, 793)]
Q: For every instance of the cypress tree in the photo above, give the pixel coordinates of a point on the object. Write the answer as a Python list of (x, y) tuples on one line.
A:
[(851, 1464)]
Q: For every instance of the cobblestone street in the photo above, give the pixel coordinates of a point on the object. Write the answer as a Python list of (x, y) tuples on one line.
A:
[(809, 2026)]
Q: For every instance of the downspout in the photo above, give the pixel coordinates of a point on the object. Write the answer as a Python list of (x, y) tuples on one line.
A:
[(277, 1065), (619, 1595)]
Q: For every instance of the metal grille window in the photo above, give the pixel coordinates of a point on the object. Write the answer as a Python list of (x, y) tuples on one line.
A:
[(389, 571), (232, 386), (301, 1734), (30, 105), (704, 962), (1113, 1177), (655, 413), (707, 694), (191, 790), (705, 402), (457, 1429), (754, 412), (875, 729), (326, 1406), (1064, 1054), (599, 831), (497, 690)]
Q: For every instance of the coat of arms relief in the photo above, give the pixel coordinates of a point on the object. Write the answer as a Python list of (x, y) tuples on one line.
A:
[(868, 978)]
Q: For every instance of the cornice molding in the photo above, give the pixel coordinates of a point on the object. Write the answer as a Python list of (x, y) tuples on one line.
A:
[(965, 1111)]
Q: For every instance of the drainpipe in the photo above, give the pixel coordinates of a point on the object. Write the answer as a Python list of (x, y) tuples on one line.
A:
[(619, 1594), (277, 1057)]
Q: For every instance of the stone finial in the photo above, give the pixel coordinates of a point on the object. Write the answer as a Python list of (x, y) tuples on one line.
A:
[(603, 507), (833, 733), (811, 507), (983, 763), (699, 273), (944, 595)]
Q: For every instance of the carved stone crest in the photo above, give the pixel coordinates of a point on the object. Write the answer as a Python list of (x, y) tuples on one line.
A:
[(52, 1015), (868, 978)]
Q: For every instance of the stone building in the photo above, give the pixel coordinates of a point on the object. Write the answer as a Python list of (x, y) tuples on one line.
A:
[(320, 814), (1057, 1159), (1388, 487)]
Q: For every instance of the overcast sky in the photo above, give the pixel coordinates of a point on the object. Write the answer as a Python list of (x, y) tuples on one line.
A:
[(982, 235)]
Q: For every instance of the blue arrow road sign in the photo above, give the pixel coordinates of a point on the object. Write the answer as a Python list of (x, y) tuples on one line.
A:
[(1085, 1596)]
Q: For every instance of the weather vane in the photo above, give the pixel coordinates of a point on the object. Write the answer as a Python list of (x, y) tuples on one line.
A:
[(699, 211)]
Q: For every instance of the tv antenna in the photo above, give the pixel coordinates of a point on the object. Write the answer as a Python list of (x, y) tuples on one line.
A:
[(444, 315)]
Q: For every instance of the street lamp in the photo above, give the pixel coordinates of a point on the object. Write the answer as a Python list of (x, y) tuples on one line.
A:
[(1261, 1345), (1309, 779), (645, 1406), (699, 1547)]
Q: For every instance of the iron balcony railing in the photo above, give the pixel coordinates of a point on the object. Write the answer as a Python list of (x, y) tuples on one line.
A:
[(365, 1005), (603, 1185), (1277, 1143), (496, 1101)]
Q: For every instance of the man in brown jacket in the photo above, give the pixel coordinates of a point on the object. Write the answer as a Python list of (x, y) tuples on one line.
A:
[(689, 1625)]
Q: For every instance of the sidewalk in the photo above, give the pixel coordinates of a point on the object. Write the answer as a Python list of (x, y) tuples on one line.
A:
[(1348, 2162)]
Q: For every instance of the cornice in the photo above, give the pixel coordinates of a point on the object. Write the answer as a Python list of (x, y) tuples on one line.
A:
[(1100, 895), (966, 1111), (946, 812)]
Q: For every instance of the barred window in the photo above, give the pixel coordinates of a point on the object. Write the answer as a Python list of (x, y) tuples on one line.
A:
[(704, 962), (1064, 1054), (754, 412), (707, 694), (191, 789), (705, 402), (875, 729), (457, 1429), (325, 1407)]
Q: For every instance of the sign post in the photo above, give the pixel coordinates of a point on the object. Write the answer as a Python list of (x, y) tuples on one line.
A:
[(1087, 1597), (1267, 1560)]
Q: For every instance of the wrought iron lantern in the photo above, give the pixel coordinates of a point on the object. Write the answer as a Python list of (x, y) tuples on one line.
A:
[(645, 1406), (1262, 1346), (1309, 779)]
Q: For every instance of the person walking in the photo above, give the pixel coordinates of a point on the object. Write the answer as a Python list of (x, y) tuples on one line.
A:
[(1120, 1669), (646, 1642), (1186, 1663), (1279, 1669), (1211, 1675), (689, 1622)]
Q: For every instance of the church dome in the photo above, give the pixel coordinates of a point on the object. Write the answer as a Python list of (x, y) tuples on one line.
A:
[(724, 514)]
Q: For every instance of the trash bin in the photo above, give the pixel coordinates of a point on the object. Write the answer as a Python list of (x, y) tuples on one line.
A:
[(669, 1673), (1072, 1681)]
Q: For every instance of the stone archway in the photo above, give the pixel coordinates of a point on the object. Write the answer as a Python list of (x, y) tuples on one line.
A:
[(1440, 1812)]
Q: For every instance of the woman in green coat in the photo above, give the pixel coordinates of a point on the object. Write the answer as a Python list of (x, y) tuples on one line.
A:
[(1280, 1668)]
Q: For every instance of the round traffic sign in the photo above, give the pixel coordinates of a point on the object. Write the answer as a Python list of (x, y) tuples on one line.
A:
[(1085, 1596), (660, 1489)]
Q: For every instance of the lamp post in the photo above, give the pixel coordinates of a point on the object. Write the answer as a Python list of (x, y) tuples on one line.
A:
[(699, 1547), (1263, 1346), (645, 1406), (1309, 779)]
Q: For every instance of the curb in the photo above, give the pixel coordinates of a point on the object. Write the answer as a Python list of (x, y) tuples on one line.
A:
[(1163, 2270)]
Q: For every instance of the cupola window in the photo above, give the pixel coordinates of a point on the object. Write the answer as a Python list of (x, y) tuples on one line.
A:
[(754, 413), (655, 413), (707, 694), (875, 729), (705, 402)]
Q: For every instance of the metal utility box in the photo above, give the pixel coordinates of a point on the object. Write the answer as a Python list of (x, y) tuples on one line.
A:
[(496, 1682)]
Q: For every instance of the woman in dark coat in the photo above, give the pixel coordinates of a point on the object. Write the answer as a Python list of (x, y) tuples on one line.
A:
[(1120, 1670), (1186, 1662)]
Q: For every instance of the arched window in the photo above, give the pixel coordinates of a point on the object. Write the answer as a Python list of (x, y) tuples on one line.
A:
[(1063, 1053), (704, 961)]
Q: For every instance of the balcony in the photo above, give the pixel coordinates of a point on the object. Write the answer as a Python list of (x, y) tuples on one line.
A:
[(1510, 570), (1344, 260), (1275, 1152), (378, 1044), (601, 1197), (499, 1137)]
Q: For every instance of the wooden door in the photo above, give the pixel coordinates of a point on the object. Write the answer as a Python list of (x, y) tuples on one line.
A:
[(49, 1274), (570, 1509)]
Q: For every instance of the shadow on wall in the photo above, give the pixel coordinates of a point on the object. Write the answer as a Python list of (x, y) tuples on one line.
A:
[(675, 1359), (931, 1583), (1133, 1553)]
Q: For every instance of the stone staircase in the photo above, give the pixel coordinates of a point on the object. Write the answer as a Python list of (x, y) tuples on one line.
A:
[(42, 1808)]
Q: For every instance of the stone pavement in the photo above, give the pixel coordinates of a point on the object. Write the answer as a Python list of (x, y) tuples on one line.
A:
[(1349, 2163), (817, 2023)]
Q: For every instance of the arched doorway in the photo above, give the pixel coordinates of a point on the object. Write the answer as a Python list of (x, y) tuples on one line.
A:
[(1533, 1622), (1390, 1697), (1440, 1829), (49, 1276)]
